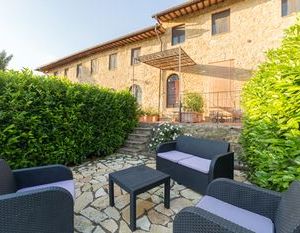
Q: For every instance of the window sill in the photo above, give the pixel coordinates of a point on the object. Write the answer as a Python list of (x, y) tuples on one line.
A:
[(136, 64), (222, 34), (178, 44), (293, 14), (172, 108)]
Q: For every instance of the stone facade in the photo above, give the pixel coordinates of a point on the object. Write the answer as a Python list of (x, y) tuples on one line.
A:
[(223, 62)]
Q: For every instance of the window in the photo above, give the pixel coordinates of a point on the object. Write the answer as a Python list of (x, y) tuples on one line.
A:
[(94, 66), (79, 70), (178, 35), (112, 61), (136, 91), (135, 53), (66, 72), (289, 6), (221, 22), (55, 73), (173, 91)]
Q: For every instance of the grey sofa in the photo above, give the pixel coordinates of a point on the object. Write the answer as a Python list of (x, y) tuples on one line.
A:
[(36, 200), (233, 207), (195, 162)]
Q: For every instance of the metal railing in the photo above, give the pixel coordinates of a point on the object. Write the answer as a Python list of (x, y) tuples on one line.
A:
[(218, 107)]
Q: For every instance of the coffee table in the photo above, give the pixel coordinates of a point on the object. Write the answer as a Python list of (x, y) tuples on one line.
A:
[(136, 180)]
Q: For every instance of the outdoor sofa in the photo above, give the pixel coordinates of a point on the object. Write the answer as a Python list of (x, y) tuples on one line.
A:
[(195, 162), (233, 207), (36, 200)]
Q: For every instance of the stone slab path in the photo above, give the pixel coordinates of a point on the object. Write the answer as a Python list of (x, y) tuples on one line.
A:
[(94, 215)]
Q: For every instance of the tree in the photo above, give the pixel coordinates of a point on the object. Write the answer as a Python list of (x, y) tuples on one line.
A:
[(4, 60), (271, 130)]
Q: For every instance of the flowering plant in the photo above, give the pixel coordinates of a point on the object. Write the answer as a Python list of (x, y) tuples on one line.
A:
[(164, 132)]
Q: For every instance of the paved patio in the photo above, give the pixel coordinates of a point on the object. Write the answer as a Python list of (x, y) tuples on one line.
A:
[(92, 210)]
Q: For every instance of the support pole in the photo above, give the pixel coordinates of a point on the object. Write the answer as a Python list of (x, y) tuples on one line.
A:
[(132, 87), (180, 83)]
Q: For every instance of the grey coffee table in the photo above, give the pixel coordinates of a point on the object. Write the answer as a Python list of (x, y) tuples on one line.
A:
[(136, 180)]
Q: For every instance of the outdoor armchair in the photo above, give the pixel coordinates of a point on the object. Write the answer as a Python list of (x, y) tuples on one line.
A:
[(234, 207), (195, 162), (36, 200)]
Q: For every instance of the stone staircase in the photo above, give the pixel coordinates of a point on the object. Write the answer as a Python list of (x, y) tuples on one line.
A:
[(138, 141)]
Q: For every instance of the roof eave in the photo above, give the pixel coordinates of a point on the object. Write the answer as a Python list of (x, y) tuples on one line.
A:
[(102, 47)]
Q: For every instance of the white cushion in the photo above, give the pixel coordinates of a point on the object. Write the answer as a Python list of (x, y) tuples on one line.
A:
[(66, 184), (174, 155), (244, 218), (196, 163)]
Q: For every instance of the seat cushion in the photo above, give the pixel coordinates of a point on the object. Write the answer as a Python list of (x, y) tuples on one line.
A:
[(174, 155), (66, 184), (7, 180), (196, 163), (241, 217)]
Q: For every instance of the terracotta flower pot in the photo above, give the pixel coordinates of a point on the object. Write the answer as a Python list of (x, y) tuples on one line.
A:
[(191, 117), (149, 119)]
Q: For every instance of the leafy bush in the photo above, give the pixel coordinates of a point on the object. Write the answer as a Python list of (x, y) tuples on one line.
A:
[(193, 102), (46, 120), (271, 99), (164, 132), (149, 112)]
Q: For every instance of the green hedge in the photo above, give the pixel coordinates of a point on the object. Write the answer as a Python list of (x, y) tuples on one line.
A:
[(46, 120), (271, 99)]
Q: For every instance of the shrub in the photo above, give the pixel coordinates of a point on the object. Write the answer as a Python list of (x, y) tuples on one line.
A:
[(164, 132), (271, 100), (46, 120), (149, 112), (193, 102)]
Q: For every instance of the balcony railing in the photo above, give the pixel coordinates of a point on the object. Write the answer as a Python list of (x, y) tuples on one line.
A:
[(219, 107)]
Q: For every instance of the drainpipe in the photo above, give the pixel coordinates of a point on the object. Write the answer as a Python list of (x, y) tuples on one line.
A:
[(160, 71)]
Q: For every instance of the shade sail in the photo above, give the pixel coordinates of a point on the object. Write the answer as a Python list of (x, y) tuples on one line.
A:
[(168, 59)]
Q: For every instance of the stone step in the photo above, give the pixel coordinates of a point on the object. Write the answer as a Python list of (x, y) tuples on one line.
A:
[(138, 141), (136, 144), (139, 137), (143, 130), (148, 125), (130, 151)]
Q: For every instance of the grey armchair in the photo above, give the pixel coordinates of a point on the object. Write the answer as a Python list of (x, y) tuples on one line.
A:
[(233, 207), (36, 200)]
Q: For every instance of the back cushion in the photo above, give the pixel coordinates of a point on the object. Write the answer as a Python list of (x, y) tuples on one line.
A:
[(7, 181), (201, 147), (288, 214)]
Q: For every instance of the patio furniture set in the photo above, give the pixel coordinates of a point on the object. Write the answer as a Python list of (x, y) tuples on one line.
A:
[(41, 199)]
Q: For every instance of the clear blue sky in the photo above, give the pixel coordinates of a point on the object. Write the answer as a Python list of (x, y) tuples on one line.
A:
[(39, 31)]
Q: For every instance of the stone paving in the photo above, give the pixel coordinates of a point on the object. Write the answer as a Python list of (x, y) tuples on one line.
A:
[(94, 215)]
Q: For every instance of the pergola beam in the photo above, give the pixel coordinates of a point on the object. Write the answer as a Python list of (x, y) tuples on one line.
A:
[(168, 60)]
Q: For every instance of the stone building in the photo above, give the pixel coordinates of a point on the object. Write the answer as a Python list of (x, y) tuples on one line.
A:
[(210, 47)]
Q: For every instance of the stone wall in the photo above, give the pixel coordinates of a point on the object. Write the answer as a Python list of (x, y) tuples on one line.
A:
[(255, 26), (228, 133)]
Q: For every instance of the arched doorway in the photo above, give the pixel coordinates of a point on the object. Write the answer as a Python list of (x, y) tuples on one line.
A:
[(136, 91), (173, 91)]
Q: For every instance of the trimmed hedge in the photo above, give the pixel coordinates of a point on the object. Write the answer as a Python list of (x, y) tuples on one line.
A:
[(271, 99), (47, 120)]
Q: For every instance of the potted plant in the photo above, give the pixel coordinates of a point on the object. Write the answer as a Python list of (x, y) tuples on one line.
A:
[(193, 108), (149, 115)]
